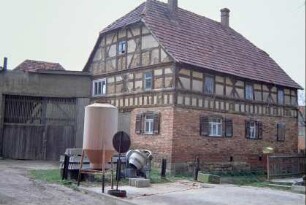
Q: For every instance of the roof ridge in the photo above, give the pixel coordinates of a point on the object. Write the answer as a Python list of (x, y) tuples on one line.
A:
[(108, 28), (33, 65), (41, 61)]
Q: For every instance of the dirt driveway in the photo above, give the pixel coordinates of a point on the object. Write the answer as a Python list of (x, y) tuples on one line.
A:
[(16, 187)]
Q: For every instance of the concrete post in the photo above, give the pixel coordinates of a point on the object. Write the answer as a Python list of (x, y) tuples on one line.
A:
[(80, 106)]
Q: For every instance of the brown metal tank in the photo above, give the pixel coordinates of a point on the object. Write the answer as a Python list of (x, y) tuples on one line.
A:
[(100, 125)]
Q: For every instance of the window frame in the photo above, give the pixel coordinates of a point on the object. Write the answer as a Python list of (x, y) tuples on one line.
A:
[(279, 128), (212, 86), (257, 129), (253, 130), (148, 118), (96, 92), (210, 128), (153, 118), (122, 49), (246, 91), (283, 96), (215, 128), (145, 79)]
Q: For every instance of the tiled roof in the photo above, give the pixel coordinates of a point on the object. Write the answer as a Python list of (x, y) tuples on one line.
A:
[(34, 66), (130, 18), (196, 40)]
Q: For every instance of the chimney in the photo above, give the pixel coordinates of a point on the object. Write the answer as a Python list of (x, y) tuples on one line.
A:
[(173, 6), (5, 64), (225, 16)]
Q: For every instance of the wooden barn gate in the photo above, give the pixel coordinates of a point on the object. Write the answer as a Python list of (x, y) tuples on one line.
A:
[(38, 128)]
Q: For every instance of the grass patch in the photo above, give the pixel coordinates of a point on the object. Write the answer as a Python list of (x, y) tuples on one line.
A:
[(240, 179), (52, 176), (156, 178), (256, 179)]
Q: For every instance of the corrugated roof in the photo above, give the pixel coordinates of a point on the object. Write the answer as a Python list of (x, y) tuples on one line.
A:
[(199, 41)]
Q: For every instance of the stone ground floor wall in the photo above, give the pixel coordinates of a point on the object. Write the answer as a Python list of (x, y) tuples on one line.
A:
[(179, 141)]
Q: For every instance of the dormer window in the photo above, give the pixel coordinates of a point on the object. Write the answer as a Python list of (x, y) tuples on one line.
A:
[(122, 47)]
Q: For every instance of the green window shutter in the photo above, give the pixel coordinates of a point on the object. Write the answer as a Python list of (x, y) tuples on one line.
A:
[(281, 132), (204, 126), (156, 124), (228, 127), (259, 130), (278, 131), (247, 129), (138, 126)]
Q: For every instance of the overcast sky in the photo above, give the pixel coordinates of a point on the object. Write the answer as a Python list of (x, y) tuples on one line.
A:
[(65, 31)]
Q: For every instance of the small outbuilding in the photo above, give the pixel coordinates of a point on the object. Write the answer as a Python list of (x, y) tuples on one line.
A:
[(41, 110)]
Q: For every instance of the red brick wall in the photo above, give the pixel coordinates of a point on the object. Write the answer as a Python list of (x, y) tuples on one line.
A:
[(160, 145), (179, 140), (187, 143)]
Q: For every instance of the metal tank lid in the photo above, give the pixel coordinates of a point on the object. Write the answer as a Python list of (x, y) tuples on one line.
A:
[(102, 105)]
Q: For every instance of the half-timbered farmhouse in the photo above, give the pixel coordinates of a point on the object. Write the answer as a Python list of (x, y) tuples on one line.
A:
[(188, 86)]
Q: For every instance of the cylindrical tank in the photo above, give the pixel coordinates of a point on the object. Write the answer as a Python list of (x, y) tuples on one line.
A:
[(137, 158), (100, 125)]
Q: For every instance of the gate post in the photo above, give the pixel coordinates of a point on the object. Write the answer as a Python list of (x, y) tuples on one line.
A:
[(268, 168), (2, 103)]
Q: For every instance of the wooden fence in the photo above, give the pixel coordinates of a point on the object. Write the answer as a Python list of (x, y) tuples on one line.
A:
[(285, 166)]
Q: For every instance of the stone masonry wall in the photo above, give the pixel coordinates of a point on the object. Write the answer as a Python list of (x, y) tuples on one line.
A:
[(215, 153), (160, 145)]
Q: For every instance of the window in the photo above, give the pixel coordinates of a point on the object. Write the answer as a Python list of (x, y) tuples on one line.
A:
[(253, 133), (122, 47), (249, 93), (253, 129), (99, 87), (216, 126), (280, 97), (281, 132), (147, 123), (209, 85), (148, 81)]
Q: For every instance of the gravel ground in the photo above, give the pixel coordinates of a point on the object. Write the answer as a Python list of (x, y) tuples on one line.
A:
[(194, 193), (16, 187)]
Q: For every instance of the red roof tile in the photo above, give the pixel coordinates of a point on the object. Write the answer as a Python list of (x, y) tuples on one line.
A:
[(33, 66), (196, 40)]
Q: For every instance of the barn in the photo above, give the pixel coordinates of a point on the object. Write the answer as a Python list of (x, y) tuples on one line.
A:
[(41, 110)]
